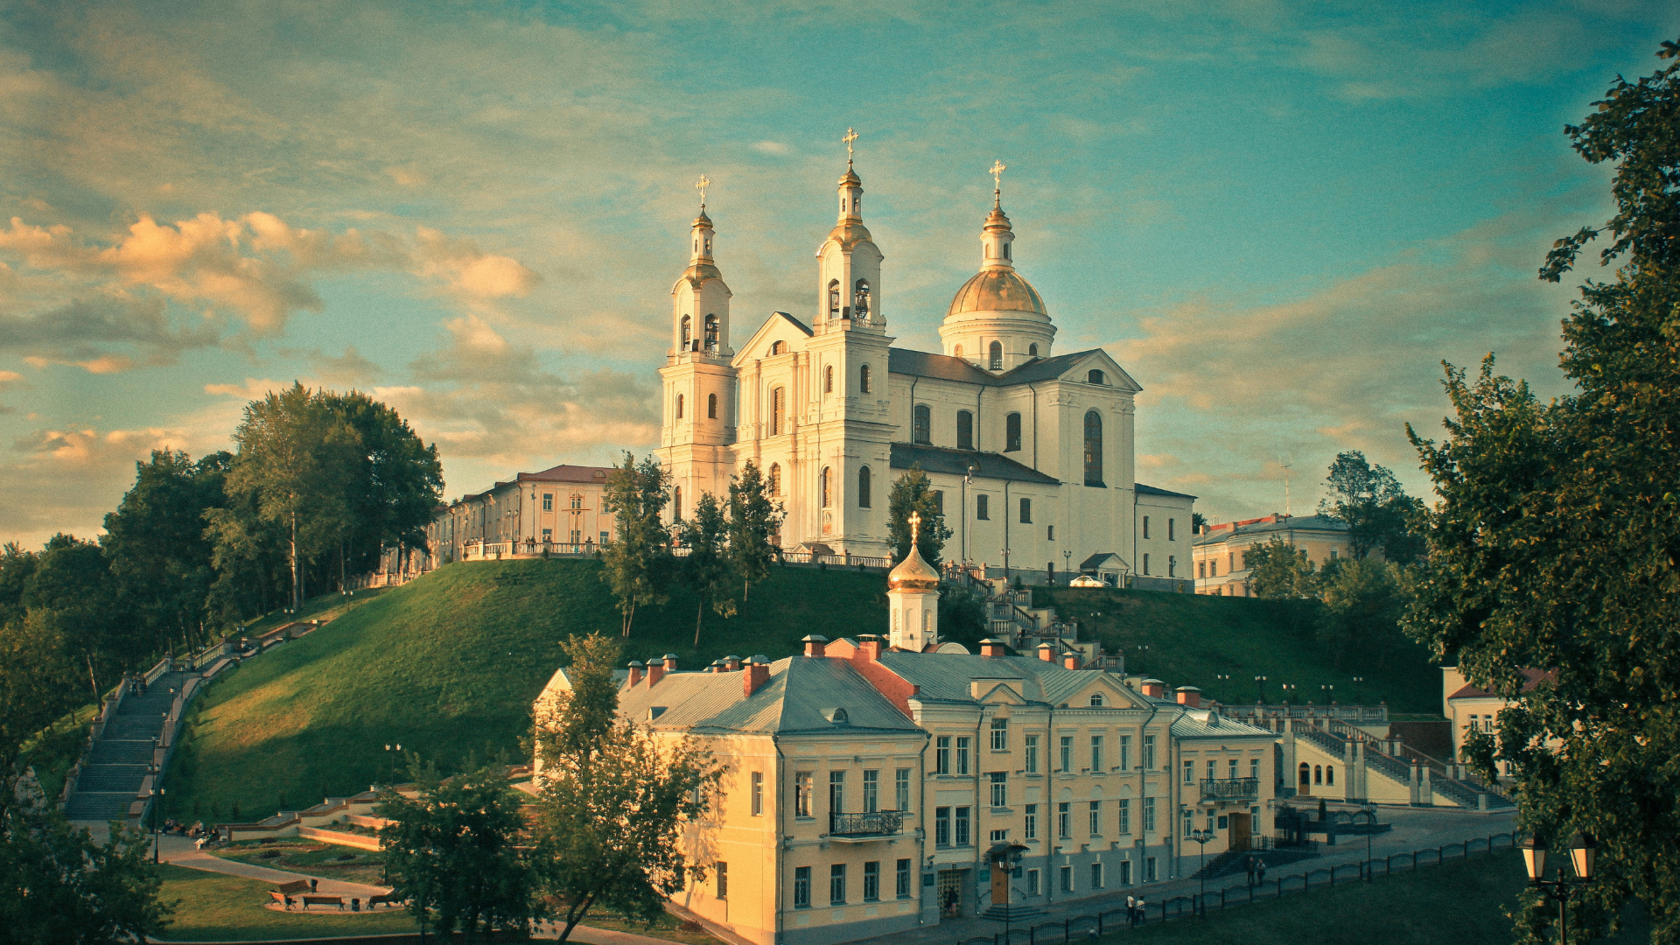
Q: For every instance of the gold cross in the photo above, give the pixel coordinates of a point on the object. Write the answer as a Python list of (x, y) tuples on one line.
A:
[(915, 527), (849, 138), (701, 186), (998, 167)]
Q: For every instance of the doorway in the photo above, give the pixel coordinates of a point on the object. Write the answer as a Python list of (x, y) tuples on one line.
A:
[(1240, 832), (1000, 886), (950, 893)]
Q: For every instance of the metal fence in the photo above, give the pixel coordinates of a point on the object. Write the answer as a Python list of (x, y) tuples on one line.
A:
[(1081, 927)]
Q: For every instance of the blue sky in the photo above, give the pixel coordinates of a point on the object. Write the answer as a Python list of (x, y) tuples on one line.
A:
[(1279, 217)]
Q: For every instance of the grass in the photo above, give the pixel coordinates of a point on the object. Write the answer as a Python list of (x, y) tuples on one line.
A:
[(58, 746), (215, 907), (311, 857), (1193, 639), (1463, 901)]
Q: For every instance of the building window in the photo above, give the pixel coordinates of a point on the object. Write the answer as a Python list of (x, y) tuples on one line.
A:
[(1096, 377), (903, 877), (871, 881), (1093, 449), (1052, 532), (1145, 564), (1000, 788), (1032, 349), (1067, 879), (1254, 768), (1032, 754), (1096, 754), (922, 426), (1149, 873), (778, 401), (686, 332), (901, 789), (548, 534), (957, 352), (548, 501), (1171, 529), (942, 826), (1067, 754), (757, 793), (1026, 511), (965, 430), (722, 879), (777, 347), (1029, 824), (1149, 815), (1329, 775), (1096, 818), (1125, 872), (1064, 821), (837, 792), (775, 479), (960, 827), (822, 488), (837, 884), (1097, 875), (1032, 882), (1096, 700), (871, 791), (1148, 752), (999, 836), (1189, 772), (1125, 759), (860, 299), (1012, 433), (863, 379), (711, 406), (834, 298), (679, 406), (1201, 569), (996, 356), (711, 334), (1125, 826), (942, 755), (1000, 734), (962, 754), (828, 379), (1231, 769), (802, 789), (802, 887), (676, 504), (1146, 528), (982, 507), (863, 487), (1189, 821)]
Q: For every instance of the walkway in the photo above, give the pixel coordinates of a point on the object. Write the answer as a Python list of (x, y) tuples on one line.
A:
[(115, 769)]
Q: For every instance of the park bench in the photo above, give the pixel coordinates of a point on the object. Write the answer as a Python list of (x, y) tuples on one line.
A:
[(293, 888), (323, 901), (281, 899), (385, 899)]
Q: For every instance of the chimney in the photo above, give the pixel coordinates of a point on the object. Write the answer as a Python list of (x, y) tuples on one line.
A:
[(1047, 652), (635, 672), (1189, 697), (869, 646), (732, 663), (1070, 660), (757, 675), (656, 669), (814, 645), (1154, 688), (670, 662), (715, 667), (991, 647)]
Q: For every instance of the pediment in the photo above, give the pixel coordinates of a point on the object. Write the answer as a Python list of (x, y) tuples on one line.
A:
[(780, 326)]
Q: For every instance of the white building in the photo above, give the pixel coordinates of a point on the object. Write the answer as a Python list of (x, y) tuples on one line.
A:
[(1031, 450)]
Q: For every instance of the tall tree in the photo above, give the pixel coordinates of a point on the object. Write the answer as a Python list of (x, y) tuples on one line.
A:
[(913, 492), (1364, 600), (706, 569), (74, 592), (638, 561), (38, 683), (1277, 569), (753, 517), (614, 800), (1556, 541), (157, 545), (1373, 505), (58, 886), (454, 852), (395, 484)]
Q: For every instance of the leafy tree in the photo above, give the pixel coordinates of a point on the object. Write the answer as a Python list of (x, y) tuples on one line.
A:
[(1556, 541), (706, 569), (394, 486), (913, 492), (637, 563), (1364, 600), (1278, 569), (16, 568), (1198, 521), (74, 592), (38, 683), (157, 545), (615, 800), (753, 517), (58, 886), (453, 852), (1377, 511)]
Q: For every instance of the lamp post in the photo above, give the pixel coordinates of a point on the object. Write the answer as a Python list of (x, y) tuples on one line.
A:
[(1370, 813), (1142, 652), (1223, 677), (1582, 851), (391, 753), (1287, 689), (1202, 837), (157, 827), (1067, 565), (1327, 693), (967, 481), (1007, 858), (1358, 693), (1260, 686)]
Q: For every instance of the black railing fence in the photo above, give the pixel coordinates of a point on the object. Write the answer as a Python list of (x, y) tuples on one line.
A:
[(882, 823), (1080, 927)]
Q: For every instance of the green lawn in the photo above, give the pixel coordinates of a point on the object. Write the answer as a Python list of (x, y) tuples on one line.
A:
[(312, 857), (1194, 638), (1462, 901), (215, 907)]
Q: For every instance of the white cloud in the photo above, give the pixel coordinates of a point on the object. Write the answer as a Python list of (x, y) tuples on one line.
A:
[(471, 272)]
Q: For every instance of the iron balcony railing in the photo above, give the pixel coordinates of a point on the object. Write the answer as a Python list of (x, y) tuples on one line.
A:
[(881, 823), (1230, 788)]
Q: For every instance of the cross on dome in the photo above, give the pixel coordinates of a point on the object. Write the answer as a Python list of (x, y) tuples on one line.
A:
[(850, 137), (701, 186), (997, 169), (915, 527)]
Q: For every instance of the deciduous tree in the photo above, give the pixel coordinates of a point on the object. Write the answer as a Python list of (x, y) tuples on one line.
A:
[(59, 887), (1376, 510), (638, 561), (706, 568), (913, 492), (1278, 569), (753, 517)]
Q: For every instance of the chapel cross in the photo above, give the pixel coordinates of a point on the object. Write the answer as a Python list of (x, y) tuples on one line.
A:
[(997, 169), (915, 527), (850, 137), (701, 186)]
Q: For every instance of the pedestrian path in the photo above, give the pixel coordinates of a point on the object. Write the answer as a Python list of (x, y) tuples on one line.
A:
[(116, 767)]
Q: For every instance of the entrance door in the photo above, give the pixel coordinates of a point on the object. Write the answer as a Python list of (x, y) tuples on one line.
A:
[(950, 892), (1239, 832), (1000, 886)]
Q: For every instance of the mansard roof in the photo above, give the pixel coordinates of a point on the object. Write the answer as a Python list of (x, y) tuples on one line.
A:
[(943, 459), (944, 367), (799, 697), (1208, 723)]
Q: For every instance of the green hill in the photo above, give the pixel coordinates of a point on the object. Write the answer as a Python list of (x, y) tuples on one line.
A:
[(448, 665)]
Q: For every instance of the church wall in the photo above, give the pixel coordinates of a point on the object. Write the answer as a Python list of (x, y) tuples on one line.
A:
[(1167, 539)]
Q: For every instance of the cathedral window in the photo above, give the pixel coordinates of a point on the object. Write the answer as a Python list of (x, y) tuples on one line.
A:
[(711, 406), (828, 379), (1032, 351), (997, 356), (863, 379), (860, 299), (711, 334), (676, 504), (863, 487), (687, 332), (1145, 564), (834, 298), (1093, 449), (679, 406), (1026, 511), (1096, 377), (1012, 433), (776, 347), (1171, 523), (775, 479), (982, 508), (965, 430), (922, 426), (822, 488), (1146, 528), (778, 401)]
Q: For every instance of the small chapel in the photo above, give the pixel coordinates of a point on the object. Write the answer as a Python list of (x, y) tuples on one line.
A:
[(1031, 450)]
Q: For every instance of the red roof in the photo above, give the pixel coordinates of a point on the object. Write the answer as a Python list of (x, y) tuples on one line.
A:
[(566, 473), (1532, 678)]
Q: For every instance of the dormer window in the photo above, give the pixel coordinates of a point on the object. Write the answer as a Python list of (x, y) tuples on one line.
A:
[(1096, 377), (775, 348), (1096, 700)]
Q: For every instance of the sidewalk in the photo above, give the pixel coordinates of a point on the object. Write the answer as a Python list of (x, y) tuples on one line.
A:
[(1414, 829)]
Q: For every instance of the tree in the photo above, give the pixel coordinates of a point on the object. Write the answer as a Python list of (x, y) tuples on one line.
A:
[(1198, 521), (1556, 541), (74, 592), (637, 563), (1278, 569), (913, 492), (706, 569), (753, 517), (1364, 600), (58, 886), (614, 799), (1377, 511), (453, 851), (157, 545), (395, 485), (38, 683)]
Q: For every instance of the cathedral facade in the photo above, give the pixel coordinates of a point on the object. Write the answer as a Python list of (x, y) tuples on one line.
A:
[(1031, 450)]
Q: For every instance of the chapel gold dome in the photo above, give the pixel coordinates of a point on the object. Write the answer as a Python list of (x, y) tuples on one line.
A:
[(913, 573), (997, 290)]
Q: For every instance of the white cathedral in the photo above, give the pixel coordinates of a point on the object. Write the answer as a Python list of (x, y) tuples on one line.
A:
[(1031, 450)]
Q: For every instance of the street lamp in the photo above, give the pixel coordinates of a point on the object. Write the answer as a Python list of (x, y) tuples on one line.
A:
[(1142, 652), (1358, 694), (1327, 693), (1370, 813), (1203, 837), (968, 480), (1067, 565), (1260, 686), (157, 827), (392, 752), (1287, 689), (1223, 677), (1582, 851), (1008, 859)]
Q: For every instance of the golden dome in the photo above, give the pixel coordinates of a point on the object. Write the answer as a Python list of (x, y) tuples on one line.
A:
[(850, 234), (913, 573), (997, 290)]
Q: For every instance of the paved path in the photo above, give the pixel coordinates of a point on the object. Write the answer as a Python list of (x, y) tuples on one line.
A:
[(1414, 829)]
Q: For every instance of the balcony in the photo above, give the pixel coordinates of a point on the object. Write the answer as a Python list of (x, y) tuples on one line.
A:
[(1230, 789), (881, 823)]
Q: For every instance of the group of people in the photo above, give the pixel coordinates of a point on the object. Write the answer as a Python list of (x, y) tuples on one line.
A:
[(1256, 870), (1135, 911)]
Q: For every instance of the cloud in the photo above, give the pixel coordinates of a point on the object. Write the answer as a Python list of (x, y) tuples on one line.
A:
[(777, 148), (348, 369), (470, 271), (85, 331)]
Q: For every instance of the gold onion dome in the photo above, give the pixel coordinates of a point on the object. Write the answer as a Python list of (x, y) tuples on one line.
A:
[(997, 290), (913, 573)]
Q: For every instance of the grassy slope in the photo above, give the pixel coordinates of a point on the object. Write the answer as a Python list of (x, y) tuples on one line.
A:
[(1192, 639), (215, 907)]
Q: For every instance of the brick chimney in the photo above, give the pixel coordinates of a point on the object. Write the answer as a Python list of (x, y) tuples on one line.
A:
[(991, 647), (1070, 660), (656, 670), (814, 645), (869, 647), (1047, 652), (1154, 688), (670, 662), (1189, 696), (732, 663), (635, 672), (715, 667), (757, 674)]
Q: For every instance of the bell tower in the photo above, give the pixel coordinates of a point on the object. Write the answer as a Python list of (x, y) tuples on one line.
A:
[(849, 263)]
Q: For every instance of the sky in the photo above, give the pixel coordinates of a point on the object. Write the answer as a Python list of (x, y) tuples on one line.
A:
[(1280, 218)]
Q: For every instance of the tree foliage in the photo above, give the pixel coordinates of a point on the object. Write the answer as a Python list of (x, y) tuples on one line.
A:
[(913, 492), (638, 561), (1377, 511), (615, 800), (1556, 543), (1279, 570), (58, 886), (1363, 599), (707, 567), (753, 517)]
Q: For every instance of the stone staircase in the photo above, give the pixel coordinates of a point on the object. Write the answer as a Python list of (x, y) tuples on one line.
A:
[(115, 769), (1462, 793)]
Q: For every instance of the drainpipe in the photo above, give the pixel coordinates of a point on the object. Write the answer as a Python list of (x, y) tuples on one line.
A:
[(1034, 425), (1006, 534), (1050, 814), (975, 770), (1143, 779), (781, 816)]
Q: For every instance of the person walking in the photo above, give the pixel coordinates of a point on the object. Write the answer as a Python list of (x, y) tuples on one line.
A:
[(1131, 910), (1142, 912), (1260, 873), (1251, 872)]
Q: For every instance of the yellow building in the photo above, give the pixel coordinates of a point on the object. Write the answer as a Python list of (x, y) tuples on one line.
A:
[(1474, 709), (559, 510), (1220, 552)]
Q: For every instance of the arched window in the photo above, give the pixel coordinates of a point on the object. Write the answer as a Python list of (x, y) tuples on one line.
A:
[(1146, 527), (711, 334), (687, 329), (834, 298), (863, 379), (863, 487), (957, 351), (577, 501), (1171, 527), (822, 489), (679, 406), (1330, 775), (778, 400), (1318, 774), (1032, 351), (676, 504), (828, 379), (997, 356), (1093, 449), (1145, 564), (774, 482), (860, 299), (711, 406), (922, 426), (1306, 774), (965, 430), (776, 347), (1096, 377), (1096, 700), (1012, 433)]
